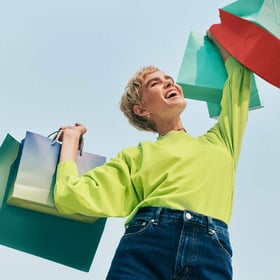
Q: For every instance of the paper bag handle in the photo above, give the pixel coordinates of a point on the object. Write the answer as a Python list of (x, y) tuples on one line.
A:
[(57, 134)]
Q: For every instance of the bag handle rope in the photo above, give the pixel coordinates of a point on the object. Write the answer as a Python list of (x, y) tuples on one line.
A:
[(57, 135)]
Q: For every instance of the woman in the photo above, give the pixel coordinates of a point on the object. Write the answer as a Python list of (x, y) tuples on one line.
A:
[(176, 192)]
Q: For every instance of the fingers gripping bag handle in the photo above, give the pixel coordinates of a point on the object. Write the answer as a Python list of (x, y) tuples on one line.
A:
[(57, 134)]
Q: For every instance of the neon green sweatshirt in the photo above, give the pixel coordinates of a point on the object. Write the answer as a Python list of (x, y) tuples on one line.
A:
[(177, 170)]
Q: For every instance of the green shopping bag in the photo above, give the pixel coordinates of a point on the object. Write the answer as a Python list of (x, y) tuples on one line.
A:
[(34, 184), (202, 74), (265, 13), (64, 241), (214, 109)]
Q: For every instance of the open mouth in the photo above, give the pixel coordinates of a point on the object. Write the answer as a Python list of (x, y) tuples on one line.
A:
[(171, 94)]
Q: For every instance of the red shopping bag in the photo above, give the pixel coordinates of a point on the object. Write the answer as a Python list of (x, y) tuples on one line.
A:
[(265, 13), (251, 45)]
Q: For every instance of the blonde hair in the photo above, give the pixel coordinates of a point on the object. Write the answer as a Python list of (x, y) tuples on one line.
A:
[(132, 96)]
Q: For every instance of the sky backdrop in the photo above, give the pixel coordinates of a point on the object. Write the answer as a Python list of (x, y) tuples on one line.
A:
[(63, 62)]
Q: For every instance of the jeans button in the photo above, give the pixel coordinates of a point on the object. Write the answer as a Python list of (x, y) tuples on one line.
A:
[(188, 216)]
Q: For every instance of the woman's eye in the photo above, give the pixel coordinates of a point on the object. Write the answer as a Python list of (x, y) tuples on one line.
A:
[(171, 82), (154, 84)]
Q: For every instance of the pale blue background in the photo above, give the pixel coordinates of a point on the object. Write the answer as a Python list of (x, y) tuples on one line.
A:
[(66, 61)]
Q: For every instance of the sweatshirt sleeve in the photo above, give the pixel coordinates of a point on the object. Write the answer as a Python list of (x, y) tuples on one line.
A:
[(105, 191), (235, 104)]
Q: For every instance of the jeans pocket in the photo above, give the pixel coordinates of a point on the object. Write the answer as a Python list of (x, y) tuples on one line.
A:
[(137, 227), (223, 242)]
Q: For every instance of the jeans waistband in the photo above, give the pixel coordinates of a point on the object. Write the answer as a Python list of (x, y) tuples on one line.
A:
[(160, 213)]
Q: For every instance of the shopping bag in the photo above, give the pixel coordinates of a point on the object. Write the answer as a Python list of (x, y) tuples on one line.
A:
[(64, 241), (8, 154), (34, 184), (265, 13), (251, 45), (214, 109), (202, 74)]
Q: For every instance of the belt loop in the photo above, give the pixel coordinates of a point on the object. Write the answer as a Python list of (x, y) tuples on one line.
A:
[(157, 216), (210, 225)]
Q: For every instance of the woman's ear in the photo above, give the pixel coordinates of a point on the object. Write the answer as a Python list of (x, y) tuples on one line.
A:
[(140, 111)]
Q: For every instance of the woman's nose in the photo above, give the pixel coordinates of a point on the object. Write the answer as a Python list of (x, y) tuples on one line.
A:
[(168, 84)]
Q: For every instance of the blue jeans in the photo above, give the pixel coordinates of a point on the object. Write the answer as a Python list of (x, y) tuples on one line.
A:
[(161, 244)]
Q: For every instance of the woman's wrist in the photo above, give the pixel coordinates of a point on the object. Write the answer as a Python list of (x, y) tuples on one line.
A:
[(70, 145), (223, 52)]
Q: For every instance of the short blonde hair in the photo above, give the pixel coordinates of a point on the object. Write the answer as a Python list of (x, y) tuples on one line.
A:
[(132, 96)]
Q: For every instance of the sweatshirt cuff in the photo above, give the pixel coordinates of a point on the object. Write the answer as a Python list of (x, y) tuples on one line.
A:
[(66, 168), (231, 63)]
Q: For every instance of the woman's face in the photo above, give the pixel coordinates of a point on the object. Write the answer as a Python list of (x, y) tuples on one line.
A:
[(161, 97)]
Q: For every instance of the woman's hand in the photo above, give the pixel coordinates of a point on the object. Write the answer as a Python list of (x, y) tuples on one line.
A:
[(75, 131), (71, 139), (224, 53)]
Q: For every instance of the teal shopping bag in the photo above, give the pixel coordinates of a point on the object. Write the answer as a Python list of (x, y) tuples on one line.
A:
[(265, 13), (202, 74), (35, 179), (214, 109), (64, 241)]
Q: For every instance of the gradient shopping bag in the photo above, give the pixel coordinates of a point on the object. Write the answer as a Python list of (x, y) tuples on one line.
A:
[(34, 184), (202, 74), (64, 241), (251, 44)]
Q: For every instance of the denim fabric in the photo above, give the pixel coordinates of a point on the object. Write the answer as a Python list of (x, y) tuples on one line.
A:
[(165, 244)]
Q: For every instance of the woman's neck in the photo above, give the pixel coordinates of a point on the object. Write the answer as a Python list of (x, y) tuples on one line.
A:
[(165, 128)]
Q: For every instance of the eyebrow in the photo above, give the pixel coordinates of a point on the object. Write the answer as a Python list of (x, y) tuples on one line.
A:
[(166, 77)]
